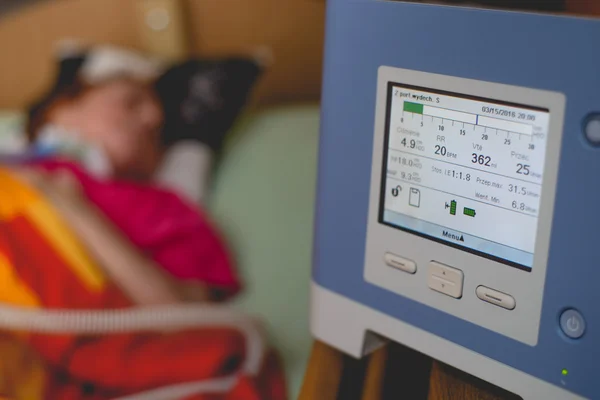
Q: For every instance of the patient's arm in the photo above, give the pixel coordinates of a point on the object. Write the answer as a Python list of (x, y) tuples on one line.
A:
[(137, 275)]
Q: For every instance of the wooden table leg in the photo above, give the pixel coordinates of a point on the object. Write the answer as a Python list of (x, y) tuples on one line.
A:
[(373, 387), (583, 7), (323, 373), (328, 369), (447, 383)]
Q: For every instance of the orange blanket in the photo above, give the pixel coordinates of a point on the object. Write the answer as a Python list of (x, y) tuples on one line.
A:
[(44, 266)]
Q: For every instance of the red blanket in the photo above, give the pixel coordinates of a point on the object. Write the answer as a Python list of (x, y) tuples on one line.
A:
[(44, 266)]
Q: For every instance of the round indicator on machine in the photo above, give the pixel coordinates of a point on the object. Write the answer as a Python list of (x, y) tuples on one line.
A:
[(591, 128), (572, 323)]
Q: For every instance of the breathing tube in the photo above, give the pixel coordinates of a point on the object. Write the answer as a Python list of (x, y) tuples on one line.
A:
[(93, 322)]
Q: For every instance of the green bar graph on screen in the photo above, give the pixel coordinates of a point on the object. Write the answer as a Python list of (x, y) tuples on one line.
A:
[(469, 212), (453, 207), (413, 107)]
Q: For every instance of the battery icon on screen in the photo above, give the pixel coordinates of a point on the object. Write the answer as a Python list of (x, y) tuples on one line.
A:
[(453, 207), (469, 212)]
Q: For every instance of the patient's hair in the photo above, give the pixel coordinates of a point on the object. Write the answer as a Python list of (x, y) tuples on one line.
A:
[(40, 113)]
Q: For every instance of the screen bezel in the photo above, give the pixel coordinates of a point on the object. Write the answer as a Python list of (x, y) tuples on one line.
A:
[(389, 98), (523, 322)]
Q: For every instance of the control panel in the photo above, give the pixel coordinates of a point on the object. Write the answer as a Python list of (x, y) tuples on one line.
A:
[(457, 201), (463, 172)]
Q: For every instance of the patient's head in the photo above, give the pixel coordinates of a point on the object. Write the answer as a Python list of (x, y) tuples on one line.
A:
[(121, 116)]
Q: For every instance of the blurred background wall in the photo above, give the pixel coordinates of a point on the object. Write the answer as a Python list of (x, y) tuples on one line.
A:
[(292, 29)]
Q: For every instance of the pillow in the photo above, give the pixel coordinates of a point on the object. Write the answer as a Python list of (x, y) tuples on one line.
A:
[(203, 98)]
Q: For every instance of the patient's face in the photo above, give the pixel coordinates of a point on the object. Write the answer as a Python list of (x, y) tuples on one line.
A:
[(122, 117)]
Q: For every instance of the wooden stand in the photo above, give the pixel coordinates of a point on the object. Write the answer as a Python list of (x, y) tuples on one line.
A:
[(583, 7), (393, 372)]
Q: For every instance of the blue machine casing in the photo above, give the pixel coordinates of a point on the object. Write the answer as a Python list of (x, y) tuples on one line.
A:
[(548, 52)]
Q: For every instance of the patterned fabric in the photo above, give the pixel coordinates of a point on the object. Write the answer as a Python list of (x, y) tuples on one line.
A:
[(203, 98), (44, 266)]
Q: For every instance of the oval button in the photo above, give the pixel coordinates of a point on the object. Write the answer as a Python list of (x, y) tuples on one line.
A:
[(400, 263), (496, 298)]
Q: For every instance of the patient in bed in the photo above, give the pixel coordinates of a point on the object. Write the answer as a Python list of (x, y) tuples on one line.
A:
[(166, 251), (85, 224), (103, 125)]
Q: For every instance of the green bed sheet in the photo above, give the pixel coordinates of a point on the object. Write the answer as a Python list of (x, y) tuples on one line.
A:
[(263, 201)]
